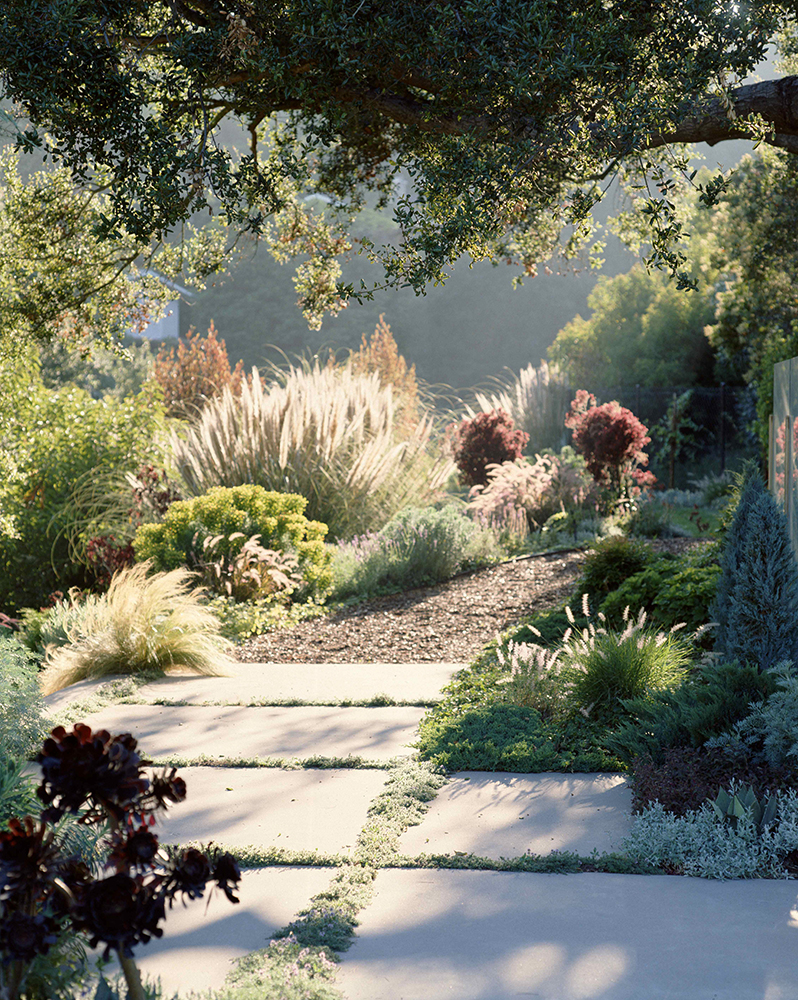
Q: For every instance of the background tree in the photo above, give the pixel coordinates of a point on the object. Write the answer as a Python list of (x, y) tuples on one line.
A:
[(508, 115), (59, 282), (642, 330), (756, 323)]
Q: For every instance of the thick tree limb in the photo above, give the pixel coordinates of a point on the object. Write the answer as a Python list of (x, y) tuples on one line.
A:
[(775, 101)]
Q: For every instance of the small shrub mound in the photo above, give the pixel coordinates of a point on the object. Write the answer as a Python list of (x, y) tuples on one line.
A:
[(143, 623), (243, 511), (610, 562), (672, 591), (486, 439), (417, 548)]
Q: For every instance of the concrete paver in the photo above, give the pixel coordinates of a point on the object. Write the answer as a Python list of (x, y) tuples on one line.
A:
[(375, 733), (333, 682), (298, 810), (431, 935), (506, 815), (202, 939), (76, 692)]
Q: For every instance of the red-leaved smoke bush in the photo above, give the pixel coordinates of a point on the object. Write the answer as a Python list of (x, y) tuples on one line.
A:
[(611, 440), (486, 439)]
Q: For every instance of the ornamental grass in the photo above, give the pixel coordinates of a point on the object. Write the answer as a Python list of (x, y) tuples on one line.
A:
[(537, 399), (325, 433), (143, 623)]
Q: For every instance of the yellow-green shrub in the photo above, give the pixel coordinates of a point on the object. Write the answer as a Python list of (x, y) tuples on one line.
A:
[(277, 517)]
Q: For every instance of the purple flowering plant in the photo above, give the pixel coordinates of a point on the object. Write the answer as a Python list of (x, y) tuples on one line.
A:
[(47, 891)]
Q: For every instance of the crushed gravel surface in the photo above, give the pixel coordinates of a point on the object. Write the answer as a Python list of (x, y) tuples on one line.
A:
[(449, 622)]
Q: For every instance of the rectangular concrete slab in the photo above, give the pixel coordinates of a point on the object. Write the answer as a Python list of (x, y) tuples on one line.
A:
[(298, 810), (202, 939), (81, 691), (506, 815), (431, 935), (266, 683), (191, 731)]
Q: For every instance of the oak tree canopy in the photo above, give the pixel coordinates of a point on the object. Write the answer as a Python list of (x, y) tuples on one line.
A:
[(509, 117)]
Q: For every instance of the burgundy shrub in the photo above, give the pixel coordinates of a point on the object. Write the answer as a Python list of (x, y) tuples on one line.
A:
[(611, 440), (487, 439)]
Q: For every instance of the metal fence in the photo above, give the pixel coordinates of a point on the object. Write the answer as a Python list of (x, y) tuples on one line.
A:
[(708, 431)]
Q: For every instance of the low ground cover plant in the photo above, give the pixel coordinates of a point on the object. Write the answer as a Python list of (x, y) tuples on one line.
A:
[(145, 622), (698, 843), (50, 894)]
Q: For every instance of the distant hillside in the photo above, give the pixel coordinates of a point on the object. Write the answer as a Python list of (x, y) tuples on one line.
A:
[(457, 334)]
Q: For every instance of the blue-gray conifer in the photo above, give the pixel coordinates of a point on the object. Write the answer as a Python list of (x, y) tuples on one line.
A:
[(758, 619), (750, 486)]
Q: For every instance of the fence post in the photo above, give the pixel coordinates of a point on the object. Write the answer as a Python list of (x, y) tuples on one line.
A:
[(722, 427)]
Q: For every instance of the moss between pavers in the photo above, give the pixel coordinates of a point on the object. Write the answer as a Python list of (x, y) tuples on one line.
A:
[(316, 762), (378, 701), (327, 926)]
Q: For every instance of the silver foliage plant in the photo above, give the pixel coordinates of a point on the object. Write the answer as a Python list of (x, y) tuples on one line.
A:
[(702, 845)]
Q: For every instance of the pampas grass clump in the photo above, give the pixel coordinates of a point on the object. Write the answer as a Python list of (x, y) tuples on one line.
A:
[(325, 433), (142, 623)]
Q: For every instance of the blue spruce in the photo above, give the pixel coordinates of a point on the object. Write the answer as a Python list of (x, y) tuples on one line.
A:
[(749, 487), (757, 604)]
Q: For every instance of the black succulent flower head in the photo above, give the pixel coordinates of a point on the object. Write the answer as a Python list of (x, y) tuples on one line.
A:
[(23, 937), (95, 769), (189, 874), (134, 849), (120, 911), (227, 875), (27, 857), (167, 787)]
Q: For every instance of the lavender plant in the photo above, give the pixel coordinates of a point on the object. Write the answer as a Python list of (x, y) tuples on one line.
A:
[(416, 548), (48, 892)]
